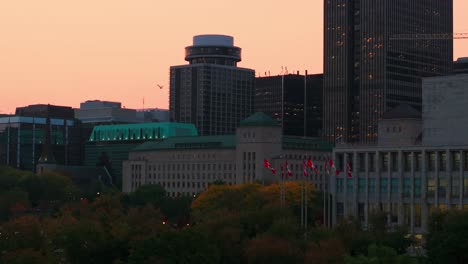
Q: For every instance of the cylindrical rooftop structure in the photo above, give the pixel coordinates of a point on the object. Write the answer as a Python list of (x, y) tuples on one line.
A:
[(213, 49)]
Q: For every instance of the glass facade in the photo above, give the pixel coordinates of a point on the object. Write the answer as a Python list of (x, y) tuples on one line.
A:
[(22, 140), (367, 72), (295, 101)]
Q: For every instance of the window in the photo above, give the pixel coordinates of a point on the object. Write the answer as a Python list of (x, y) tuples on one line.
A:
[(417, 187), (418, 161), (442, 187), (417, 215), (384, 161), (406, 188), (394, 161), (455, 190), (371, 185), (350, 186), (339, 185), (394, 186), (430, 188), (455, 161), (431, 161), (442, 161), (361, 185), (371, 162), (407, 161), (362, 162), (384, 186)]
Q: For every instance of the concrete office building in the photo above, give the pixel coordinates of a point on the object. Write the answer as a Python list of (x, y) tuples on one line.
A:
[(294, 100), (369, 69), (211, 92), (187, 165), (109, 145), (102, 112), (417, 165)]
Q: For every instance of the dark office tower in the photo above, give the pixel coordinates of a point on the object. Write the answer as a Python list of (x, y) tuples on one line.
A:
[(369, 68), (211, 92), (284, 97)]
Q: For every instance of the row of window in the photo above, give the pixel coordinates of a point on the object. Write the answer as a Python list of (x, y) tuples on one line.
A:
[(434, 160), (183, 166), (392, 185)]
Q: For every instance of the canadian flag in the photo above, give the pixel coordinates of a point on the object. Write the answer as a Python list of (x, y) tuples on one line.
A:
[(350, 172), (332, 166), (304, 165), (311, 165), (267, 165), (287, 168)]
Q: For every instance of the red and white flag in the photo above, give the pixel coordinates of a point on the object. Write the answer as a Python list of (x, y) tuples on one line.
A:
[(267, 165), (311, 165), (350, 172), (332, 166), (304, 165), (287, 168)]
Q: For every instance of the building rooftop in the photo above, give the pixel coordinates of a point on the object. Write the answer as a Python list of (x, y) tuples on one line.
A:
[(259, 119), (402, 111), (203, 142), (141, 131)]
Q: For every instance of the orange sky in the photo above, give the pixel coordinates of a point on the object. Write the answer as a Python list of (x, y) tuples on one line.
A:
[(65, 52)]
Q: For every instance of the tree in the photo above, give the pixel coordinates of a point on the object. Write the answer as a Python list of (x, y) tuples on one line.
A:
[(329, 251), (269, 249), (148, 194), (380, 255), (446, 238), (186, 246)]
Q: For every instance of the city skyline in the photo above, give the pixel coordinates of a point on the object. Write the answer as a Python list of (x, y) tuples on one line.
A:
[(66, 53)]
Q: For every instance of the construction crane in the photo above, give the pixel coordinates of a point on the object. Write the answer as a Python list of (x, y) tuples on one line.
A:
[(437, 36)]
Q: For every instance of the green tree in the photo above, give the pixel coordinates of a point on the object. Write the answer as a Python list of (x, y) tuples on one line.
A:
[(380, 255), (171, 247), (269, 249), (446, 239), (147, 194)]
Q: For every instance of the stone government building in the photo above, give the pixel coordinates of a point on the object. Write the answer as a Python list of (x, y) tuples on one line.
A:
[(187, 165), (419, 164)]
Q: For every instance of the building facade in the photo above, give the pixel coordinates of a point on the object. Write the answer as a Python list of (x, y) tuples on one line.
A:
[(109, 145), (211, 92), (22, 136), (294, 100), (417, 165), (187, 165), (369, 69)]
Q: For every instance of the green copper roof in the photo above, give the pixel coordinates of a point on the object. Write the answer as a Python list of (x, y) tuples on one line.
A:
[(204, 142), (142, 131), (306, 144), (259, 119)]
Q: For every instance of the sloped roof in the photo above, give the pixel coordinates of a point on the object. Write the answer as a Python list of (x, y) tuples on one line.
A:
[(402, 111), (259, 119)]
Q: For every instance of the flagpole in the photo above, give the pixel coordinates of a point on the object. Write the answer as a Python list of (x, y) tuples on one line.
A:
[(306, 209), (302, 203)]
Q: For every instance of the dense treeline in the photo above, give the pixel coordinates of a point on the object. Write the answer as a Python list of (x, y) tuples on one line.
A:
[(45, 219)]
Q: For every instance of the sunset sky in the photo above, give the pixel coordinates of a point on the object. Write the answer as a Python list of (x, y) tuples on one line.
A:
[(65, 52)]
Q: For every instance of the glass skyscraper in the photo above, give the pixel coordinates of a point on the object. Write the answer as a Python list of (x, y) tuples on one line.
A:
[(368, 71), (211, 92)]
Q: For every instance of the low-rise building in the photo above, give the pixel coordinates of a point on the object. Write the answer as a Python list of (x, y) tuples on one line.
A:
[(187, 165)]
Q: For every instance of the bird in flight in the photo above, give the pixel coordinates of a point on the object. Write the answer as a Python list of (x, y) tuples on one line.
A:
[(160, 86)]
